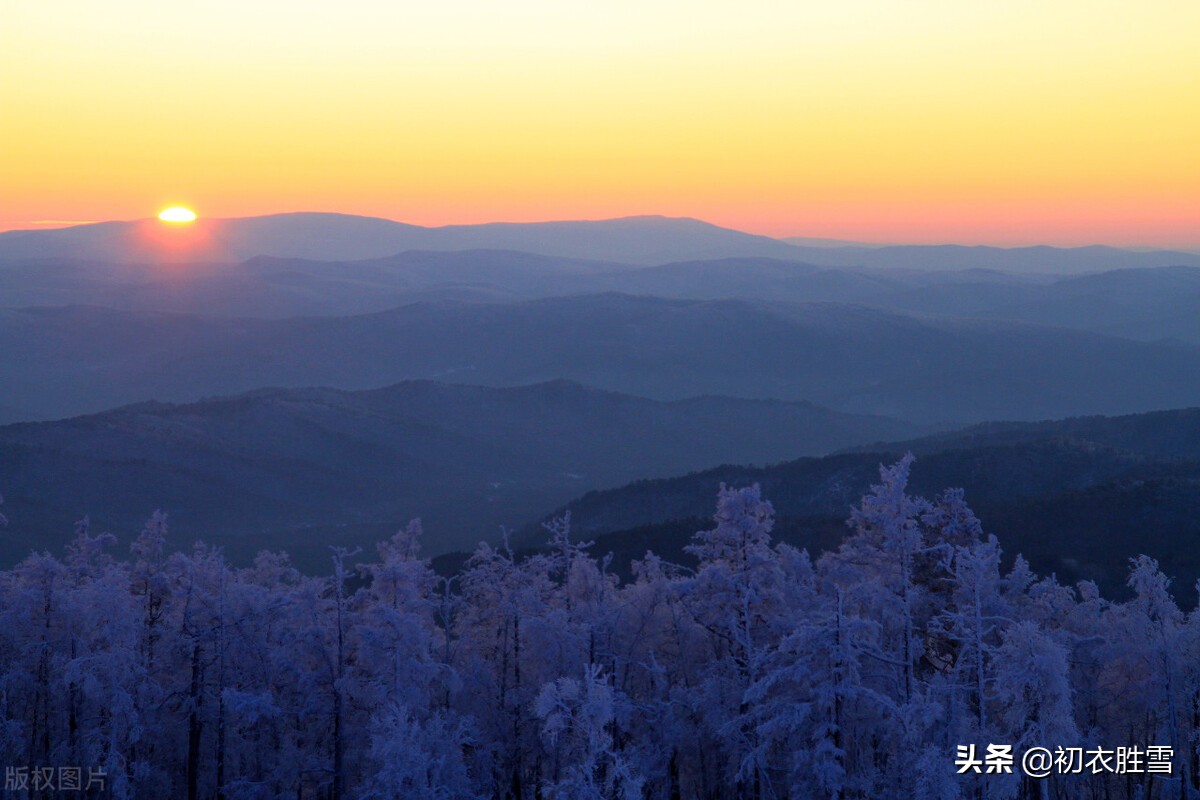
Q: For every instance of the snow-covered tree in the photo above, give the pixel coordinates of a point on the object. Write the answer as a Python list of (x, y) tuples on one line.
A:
[(752, 672), (577, 717)]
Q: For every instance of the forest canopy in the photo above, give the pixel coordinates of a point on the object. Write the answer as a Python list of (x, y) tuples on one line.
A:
[(758, 671)]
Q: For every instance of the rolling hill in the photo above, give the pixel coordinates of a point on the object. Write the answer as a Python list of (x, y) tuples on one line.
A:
[(300, 469), (927, 370), (1078, 497), (1039, 259), (275, 288), (1147, 304)]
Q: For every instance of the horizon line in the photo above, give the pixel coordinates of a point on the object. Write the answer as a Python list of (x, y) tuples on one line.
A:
[(832, 241)]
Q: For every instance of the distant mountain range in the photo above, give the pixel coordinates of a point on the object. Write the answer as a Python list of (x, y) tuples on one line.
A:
[(300, 469), (270, 287), (818, 241), (926, 370), (1149, 303), (1041, 259), (706, 345), (632, 240), (1078, 497)]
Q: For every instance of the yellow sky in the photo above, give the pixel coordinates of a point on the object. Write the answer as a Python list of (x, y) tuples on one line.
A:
[(1057, 121)]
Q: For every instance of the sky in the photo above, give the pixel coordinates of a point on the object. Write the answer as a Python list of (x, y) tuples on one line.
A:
[(1017, 122)]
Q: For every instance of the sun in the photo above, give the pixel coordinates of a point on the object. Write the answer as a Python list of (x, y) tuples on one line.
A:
[(177, 214)]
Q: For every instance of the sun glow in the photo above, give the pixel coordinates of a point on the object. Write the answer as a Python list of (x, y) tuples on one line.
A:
[(177, 214), (1022, 122)]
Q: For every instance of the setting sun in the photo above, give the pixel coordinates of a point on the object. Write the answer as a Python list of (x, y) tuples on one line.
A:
[(177, 214)]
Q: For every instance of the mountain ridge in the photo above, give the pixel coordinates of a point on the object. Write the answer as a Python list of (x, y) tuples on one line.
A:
[(466, 458), (855, 359), (636, 240), (1075, 496)]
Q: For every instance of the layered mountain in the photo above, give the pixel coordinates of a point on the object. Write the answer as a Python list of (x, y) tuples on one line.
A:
[(645, 240), (631, 240), (1077, 497), (1147, 304), (300, 469), (927, 370), (1040, 259), (274, 288)]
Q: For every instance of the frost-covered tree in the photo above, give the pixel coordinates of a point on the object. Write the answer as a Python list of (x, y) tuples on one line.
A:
[(739, 598), (418, 756), (752, 671), (577, 718), (1033, 691), (396, 629)]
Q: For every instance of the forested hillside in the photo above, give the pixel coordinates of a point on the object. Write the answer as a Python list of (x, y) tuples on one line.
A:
[(298, 468), (1075, 496), (878, 670)]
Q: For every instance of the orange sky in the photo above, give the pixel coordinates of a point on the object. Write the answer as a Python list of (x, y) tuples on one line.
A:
[(1058, 121)]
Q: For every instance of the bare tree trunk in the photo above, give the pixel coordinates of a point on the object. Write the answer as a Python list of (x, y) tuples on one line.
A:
[(339, 673), (221, 693), (518, 756), (195, 724)]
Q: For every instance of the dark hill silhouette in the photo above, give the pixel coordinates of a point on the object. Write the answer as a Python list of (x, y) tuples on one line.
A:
[(1075, 496), (271, 467)]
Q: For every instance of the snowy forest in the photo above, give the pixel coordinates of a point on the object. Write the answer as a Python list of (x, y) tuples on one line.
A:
[(757, 671)]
